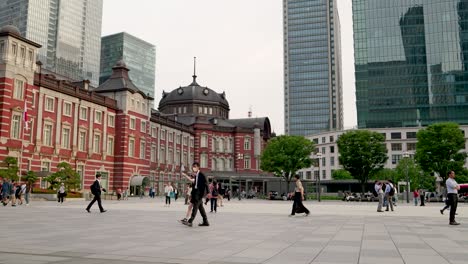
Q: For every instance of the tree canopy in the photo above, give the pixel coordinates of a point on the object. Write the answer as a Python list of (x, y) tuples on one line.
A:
[(285, 155), (439, 149), (65, 174), (10, 168), (341, 175), (362, 153), (30, 177)]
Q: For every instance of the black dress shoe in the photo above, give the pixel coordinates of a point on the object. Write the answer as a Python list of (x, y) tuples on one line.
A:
[(204, 224), (87, 210), (187, 223), (454, 223), (103, 211)]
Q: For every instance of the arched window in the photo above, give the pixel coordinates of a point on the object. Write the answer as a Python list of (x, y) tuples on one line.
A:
[(221, 165), (213, 165)]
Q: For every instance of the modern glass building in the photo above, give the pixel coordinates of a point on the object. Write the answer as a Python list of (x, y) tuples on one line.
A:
[(68, 30), (139, 55), (312, 67), (411, 59)]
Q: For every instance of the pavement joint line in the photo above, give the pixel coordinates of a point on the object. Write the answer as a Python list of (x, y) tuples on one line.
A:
[(362, 239), (394, 244), (425, 242), (285, 248), (328, 242)]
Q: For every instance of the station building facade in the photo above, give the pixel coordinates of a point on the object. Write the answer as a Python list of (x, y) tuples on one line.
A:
[(114, 129)]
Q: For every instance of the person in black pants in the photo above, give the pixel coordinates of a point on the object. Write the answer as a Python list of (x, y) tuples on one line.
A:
[(199, 190), (214, 197), (298, 207), (96, 190), (452, 195)]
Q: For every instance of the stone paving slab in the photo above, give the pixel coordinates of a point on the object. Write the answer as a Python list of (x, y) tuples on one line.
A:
[(144, 231)]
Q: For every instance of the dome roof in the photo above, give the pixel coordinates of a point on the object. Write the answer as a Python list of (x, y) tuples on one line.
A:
[(193, 93), (10, 29), (121, 63)]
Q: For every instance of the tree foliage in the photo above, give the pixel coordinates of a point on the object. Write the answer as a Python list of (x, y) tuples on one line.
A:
[(10, 168), (362, 153), (285, 155), (384, 174), (30, 177), (341, 175), (439, 149), (65, 174)]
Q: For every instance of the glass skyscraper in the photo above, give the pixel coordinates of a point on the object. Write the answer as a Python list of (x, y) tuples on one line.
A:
[(411, 59), (68, 30), (138, 55), (312, 67)]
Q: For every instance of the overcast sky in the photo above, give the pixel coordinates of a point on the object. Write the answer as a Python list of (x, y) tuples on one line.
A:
[(238, 45)]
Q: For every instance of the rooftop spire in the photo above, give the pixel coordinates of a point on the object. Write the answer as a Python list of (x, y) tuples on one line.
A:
[(194, 83), (194, 68)]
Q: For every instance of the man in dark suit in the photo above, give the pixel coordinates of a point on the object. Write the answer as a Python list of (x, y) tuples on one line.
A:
[(96, 190), (199, 190)]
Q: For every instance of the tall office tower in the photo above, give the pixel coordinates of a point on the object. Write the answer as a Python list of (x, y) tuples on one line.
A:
[(312, 67), (139, 55), (68, 30), (411, 62)]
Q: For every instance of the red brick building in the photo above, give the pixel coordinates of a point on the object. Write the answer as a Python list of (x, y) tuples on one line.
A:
[(114, 130)]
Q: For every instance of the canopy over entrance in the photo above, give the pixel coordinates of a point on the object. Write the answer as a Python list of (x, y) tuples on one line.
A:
[(139, 180)]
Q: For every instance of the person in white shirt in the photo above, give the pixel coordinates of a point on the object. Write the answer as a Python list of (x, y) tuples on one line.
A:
[(380, 194), (389, 192), (168, 190), (452, 196)]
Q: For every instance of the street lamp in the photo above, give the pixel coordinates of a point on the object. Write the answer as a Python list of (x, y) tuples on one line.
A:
[(319, 156), (240, 156), (406, 155)]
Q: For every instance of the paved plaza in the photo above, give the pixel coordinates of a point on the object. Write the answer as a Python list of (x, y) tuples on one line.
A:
[(249, 231)]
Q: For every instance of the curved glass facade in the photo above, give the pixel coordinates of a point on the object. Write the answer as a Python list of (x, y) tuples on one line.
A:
[(411, 59), (312, 67)]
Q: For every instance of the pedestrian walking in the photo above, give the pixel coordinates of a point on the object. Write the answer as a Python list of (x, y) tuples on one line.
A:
[(415, 197), (6, 189), (389, 192), (176, 194), (23, 188), (298, 206), (199, 190), (422, 197), (214, 191), (13, 193), (222, 193), (190, 207), (168, 190), (27, 193), (452, 196), (61, 193), (380, 195), (96, 190)]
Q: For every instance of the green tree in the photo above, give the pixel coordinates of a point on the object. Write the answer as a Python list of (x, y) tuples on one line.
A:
[(439, 149), (384, 174), (362, 153), (65, 174), (10, 168), (285, 155), (342, 175), (30, 177)]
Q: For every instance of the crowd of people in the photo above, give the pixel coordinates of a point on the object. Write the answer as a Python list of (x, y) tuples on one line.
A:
[(14, 193)]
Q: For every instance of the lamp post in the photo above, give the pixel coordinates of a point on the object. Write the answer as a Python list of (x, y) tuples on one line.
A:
[(406, 156), (240, 156), (319, 156)]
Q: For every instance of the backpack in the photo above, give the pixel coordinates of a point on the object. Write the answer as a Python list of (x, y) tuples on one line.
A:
[(214, 192), (392, 190), (17, 191)]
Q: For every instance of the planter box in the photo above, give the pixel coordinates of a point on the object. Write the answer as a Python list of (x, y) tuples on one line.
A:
[(44, 196)]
